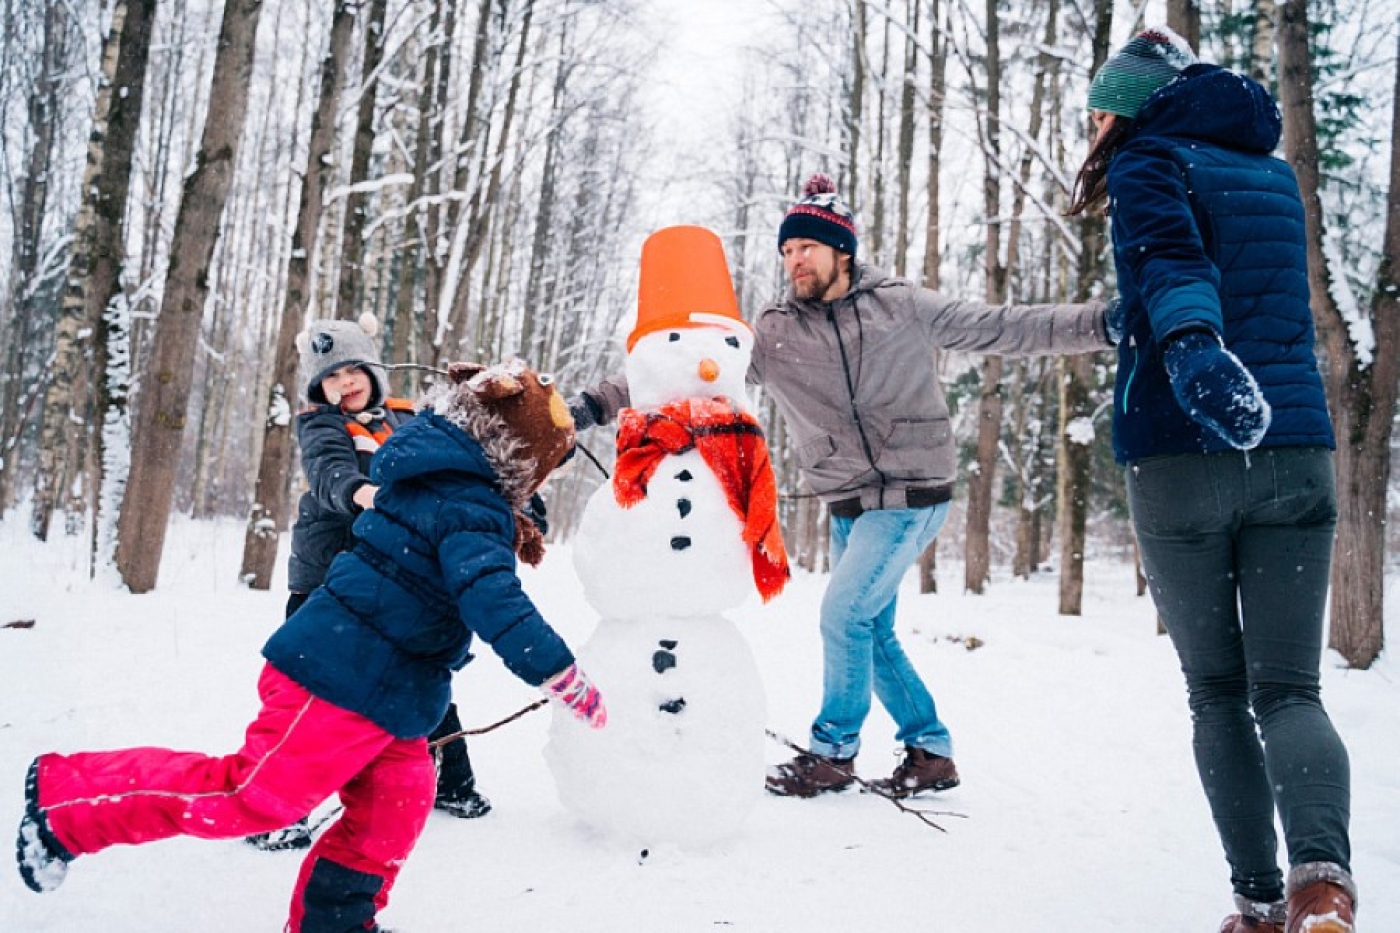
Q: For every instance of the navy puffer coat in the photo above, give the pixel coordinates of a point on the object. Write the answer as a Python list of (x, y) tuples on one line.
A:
[(432, 565), (1208, 230)]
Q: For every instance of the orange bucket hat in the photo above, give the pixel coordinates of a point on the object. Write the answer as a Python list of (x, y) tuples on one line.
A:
[(684, 283)]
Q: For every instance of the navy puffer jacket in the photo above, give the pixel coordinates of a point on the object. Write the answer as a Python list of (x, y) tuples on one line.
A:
[(1208, 230), (336, 450), (433, 564)]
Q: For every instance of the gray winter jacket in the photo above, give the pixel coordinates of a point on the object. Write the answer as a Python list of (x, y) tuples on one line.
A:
[(855, 382)]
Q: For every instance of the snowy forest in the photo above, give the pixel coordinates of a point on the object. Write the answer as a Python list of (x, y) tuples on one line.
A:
[(186, 184)]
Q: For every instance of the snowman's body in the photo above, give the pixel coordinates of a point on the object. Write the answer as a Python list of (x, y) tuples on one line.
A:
[(681, 760)]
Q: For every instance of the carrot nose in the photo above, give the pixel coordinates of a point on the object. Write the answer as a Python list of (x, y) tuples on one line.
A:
[(709, 370)]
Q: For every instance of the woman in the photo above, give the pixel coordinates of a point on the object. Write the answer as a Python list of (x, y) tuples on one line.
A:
[(1220, 418)]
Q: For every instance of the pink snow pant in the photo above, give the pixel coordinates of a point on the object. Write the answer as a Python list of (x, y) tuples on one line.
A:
[(297, 752)]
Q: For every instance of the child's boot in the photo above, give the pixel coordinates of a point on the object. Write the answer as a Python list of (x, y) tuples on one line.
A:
[(295, 836), (456, 783), (1321, 899), (43, 860), (1255, 917)]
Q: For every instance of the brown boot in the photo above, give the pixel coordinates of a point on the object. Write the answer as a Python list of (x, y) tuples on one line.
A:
[(1255, 917), (1321, 899), (810, 774), (919, 771)]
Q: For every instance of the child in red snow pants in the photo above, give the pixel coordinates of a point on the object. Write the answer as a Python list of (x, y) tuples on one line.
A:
[(297, 752)]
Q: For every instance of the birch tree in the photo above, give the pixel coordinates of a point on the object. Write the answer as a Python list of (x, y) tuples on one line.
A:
[(33, 272), (82, 398)]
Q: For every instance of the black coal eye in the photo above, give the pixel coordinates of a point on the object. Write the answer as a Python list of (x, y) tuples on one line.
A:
[(675, 336), (732, 341), (546, 379)]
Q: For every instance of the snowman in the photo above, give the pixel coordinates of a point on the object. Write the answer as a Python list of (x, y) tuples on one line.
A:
[(686, 530)]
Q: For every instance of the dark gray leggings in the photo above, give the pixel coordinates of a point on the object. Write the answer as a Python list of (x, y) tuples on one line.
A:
[(1237, 549)]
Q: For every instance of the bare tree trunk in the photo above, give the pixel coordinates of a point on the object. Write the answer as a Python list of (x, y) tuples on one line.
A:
[(357, 204), (982, 482), (414, 334), (67, 398), (1261, 57), (438, 83), (486, 201), (1184, 18), (267, 517), (1026, 457), (856, 102), (27, 288), (905, 147), (933, 253), (1361, 397), (94, 284), (1072, 456), (164, 401)]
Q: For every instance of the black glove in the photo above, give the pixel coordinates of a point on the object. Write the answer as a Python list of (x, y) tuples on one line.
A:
[(586, 411), (1113, 320), (1213, 387), (534, 510)]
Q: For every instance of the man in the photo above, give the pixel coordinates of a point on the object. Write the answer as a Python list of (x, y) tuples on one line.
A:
[(848, 357)]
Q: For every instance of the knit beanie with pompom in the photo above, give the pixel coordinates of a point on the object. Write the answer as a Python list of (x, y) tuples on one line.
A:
[(821, 215), (1149, 62)]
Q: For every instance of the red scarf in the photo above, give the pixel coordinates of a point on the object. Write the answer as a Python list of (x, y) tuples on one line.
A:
[(731, 443)]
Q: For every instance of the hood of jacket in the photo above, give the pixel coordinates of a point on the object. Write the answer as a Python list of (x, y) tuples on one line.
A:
[(1214, 105), (451, 436)]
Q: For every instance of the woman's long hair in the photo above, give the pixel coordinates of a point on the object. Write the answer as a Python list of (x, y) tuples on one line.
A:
[(1091, 184)]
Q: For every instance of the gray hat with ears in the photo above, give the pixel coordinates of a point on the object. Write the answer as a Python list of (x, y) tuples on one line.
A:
[(327, 345)]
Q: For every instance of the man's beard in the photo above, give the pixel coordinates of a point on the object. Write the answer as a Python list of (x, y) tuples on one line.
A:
[(815, 285)]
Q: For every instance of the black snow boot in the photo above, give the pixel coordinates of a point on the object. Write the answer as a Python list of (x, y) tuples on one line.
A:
[(295, 836), (456, 783), (43, 860)]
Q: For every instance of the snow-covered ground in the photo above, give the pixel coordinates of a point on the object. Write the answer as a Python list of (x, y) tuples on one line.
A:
[(1079, 807)]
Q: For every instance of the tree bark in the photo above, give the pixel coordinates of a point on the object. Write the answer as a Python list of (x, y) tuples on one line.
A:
[(95, 279), (351, 283), (1184, 18), (164, 401), (1025, 449), (267, 516), (1073, 459), (980, 485), (1261, 55), (24, 379), (1361, 394), (933, 252)]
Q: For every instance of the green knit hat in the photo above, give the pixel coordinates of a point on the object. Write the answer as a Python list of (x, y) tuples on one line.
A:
[(1144, 66)]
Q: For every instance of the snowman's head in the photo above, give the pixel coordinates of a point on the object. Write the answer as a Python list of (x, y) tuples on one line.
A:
[(707, 357)]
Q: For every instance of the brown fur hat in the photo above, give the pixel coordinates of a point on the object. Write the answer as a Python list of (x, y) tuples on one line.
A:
[(522, 424)]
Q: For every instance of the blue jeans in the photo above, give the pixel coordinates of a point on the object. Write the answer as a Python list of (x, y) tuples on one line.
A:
[(869, 556), (1238, 550)]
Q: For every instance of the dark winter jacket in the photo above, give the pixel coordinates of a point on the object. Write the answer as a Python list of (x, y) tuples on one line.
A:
[(336, 448), (855, 380), (432, 565), (1208, 231)]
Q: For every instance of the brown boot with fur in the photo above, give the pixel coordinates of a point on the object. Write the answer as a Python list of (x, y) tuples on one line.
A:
[(1321, 899)]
